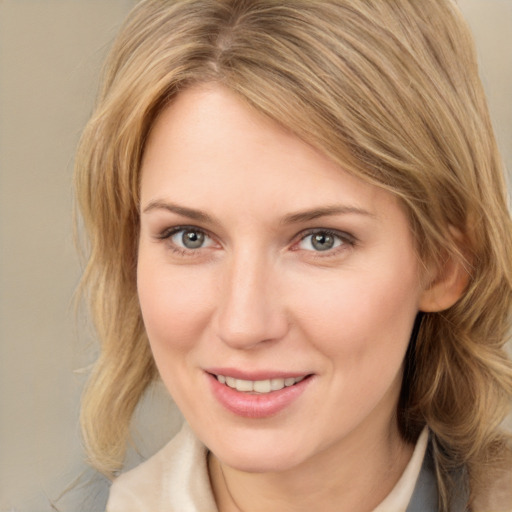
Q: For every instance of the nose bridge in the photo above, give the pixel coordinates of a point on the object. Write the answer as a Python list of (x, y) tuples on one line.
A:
[(249, 310)]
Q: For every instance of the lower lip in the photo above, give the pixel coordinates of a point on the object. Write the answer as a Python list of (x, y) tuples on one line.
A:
[(262, 405)]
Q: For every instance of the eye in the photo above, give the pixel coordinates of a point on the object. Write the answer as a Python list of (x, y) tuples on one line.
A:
[(323, 240), (188, 238)]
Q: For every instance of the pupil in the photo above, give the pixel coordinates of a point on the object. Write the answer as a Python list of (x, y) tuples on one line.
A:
[(193, 239), (322, 241)]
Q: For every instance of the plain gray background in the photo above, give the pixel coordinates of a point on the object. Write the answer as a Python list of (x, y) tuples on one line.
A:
[(50, 54)]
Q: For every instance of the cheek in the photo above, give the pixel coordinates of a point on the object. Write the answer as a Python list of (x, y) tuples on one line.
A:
[(365, 315), (174, 305)]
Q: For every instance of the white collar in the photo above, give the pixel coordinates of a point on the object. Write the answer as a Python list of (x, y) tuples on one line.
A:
[(398, 499)]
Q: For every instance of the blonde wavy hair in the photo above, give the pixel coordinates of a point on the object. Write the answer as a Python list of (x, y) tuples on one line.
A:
[(388, 89)]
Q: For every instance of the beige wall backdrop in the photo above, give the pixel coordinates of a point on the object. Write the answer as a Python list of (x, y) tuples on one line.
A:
[(50, 52)]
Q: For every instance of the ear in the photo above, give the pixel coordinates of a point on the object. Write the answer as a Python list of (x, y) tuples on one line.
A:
[(445, 287)]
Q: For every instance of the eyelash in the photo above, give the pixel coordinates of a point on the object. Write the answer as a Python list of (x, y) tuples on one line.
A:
[(167, 235), (347, 240)]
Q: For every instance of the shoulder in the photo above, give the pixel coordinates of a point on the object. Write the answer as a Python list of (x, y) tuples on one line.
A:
[(494, 491), (175, 479)]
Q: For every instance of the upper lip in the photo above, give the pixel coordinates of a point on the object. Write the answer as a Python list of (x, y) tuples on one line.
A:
[(255, 375)]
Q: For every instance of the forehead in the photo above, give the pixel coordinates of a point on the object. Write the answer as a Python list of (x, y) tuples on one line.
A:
[(210, 147)]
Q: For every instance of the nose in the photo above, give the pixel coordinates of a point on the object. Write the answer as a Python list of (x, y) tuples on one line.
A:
[(250, 310)]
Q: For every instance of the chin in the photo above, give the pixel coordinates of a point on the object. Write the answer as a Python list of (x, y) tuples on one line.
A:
[(259, 452), (259, 461)]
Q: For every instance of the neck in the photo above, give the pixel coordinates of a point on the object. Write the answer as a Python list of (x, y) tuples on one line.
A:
[(355, 474)]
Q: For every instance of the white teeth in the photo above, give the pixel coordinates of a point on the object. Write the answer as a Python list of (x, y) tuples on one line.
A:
[(262, 386), (244, 385), (258, 386), (277, 384)]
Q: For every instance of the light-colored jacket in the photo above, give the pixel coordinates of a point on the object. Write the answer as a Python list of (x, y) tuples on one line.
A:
[(176, 480)]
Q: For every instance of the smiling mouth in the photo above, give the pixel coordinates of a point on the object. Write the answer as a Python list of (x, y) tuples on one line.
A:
[(258, 386)]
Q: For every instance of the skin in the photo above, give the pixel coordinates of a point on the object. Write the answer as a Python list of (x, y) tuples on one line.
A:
[(258, 295)]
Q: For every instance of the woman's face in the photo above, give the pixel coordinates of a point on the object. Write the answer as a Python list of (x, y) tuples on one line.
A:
[(278, 291)]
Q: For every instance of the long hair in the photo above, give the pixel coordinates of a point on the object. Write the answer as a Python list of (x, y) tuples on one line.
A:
[(387, 89)]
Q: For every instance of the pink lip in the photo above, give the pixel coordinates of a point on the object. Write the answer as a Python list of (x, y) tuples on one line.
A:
[(255, 406), (254, 375)]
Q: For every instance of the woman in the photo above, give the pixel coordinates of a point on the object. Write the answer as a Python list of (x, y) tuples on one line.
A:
[(298, 219)]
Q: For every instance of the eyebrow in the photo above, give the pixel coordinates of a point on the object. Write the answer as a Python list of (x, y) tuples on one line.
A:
[(324, 211), (292, 218), (191, 213)]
